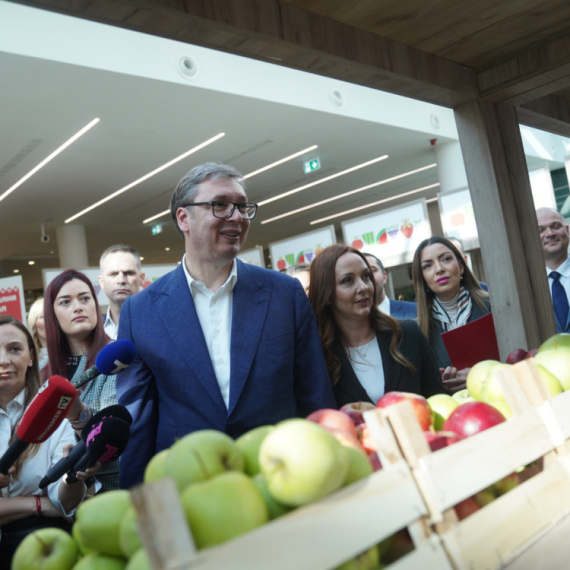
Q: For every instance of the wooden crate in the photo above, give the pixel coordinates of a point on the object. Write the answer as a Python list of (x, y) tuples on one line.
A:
[(416, 489)]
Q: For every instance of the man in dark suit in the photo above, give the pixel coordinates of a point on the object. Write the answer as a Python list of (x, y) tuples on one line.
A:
[(220, 344), (399, 310)]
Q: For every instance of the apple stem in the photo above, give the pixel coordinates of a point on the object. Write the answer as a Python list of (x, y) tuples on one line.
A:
[(202, 464), (44, 544)]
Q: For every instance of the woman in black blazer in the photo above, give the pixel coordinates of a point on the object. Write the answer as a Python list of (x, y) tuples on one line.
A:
[(367, 352)]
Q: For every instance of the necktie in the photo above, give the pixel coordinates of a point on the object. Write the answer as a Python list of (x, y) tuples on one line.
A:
[(559, 299)]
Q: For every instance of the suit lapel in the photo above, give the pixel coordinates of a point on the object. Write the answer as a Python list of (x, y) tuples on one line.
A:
[(249, 310), (392, 370), (176, 308), (350, 383)]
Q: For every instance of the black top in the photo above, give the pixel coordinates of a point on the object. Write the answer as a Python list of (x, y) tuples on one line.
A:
[(424, 380)]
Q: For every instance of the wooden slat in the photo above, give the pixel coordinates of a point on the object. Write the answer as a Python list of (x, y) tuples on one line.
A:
[(430, 555), (550, 113), (560, 406)]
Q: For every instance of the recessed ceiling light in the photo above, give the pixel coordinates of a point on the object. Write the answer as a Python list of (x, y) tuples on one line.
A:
[(16, 271), (31, 262), (350, 193), (376, 203), (146, 177), (166, 249), (49, 158), (142, 258), (273, 164), (347, 171)]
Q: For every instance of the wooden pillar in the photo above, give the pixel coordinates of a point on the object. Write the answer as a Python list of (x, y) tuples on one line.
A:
[(506, 221)]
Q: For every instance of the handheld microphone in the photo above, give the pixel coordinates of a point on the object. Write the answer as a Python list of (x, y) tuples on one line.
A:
[(66, 464), (42, 417), (105, 442), (112, 358)]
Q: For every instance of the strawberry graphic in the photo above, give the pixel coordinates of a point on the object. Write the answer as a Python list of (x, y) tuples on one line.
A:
[(281, 265), (407, 229)]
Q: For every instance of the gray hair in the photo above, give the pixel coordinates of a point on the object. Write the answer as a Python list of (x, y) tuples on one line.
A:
[(120, 247), (380, 264), (187, 188), (298, 268)]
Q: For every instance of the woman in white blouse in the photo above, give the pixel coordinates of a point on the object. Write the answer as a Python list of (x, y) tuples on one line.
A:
[(23, 506)]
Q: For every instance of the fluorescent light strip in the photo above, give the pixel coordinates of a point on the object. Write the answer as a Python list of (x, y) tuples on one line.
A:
[(156, 217), (357, 167), (350, 193), (50, 157), (431, 200), (251, 174), (376, 203), (146, 177)]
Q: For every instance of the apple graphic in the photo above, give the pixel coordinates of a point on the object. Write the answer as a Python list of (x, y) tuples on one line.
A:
[(471, 418), (333, 420), (274, 508), (368, 560), (557, 362), (46, 549), (354, 411), (442, 405), (440, 439), (557, 341), (365, 438), (249, 444), (96, 561), (462, 396), (302, 462), (221, 508), (359, 466), (156, 467), (477, 375), (129, 539), (201, 455), (139, 561), (98, 521), (419, 404), (516, 355)]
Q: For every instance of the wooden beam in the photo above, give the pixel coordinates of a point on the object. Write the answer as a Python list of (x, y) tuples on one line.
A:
[(529, 75), (506, 221), (277, 32), (548, 113)]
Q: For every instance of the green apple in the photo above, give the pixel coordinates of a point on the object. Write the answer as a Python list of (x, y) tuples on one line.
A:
[(557, 362), (274, 508), (82, 549), (156, 467), (222, 508), (368, 560), (139, 561), (550, 380), (557, 341), (96, 561), (476, 376), (201, 455), (484, 497), (491, 390), (249, 444), (303, 462), (442, 405), (46, 549), (462, 396), (129, 539), (506, 484), (359, 466), (503, 407), (98, 521)]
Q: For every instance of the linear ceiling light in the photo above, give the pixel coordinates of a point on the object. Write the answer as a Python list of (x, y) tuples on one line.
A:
[(146, 176), (251, 174), (50, 157), (376, 203), (350, 193), (357, 167)]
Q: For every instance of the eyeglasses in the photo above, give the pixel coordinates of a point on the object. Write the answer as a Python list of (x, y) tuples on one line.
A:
[(224, 210)]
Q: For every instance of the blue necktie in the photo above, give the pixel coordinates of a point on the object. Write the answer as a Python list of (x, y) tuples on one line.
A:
[(559, 299)]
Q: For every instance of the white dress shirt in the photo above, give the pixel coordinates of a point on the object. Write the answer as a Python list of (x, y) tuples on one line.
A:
[(366, 361), (34, 468), (564, 271), (214, 312), (111, 328), (384, 306)]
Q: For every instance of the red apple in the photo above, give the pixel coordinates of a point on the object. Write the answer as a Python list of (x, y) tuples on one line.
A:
[(419, 403), (375, 460), (440, 439), (516, 355), (347, 439), (466, 508), (471, 418), (365, 438), (532, 353), (333, 420), (354, 411)]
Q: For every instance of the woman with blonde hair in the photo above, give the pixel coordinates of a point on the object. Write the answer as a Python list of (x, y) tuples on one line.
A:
[(37, 328)]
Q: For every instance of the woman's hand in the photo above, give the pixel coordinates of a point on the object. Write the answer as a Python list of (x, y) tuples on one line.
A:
[(453, 379)]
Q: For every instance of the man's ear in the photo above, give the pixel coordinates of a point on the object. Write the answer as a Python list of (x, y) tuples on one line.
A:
[(182, 218)]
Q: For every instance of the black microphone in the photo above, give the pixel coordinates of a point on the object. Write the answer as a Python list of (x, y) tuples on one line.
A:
[(66, 464), (112, 358)]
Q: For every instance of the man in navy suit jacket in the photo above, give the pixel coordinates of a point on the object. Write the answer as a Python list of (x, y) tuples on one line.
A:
[(399, 310), (220, 344)]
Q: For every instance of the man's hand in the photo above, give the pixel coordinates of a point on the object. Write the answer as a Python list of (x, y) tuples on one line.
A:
[(5, 479)]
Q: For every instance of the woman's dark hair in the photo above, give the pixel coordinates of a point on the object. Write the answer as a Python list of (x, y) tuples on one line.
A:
[(57, 345), (425, 296), (321, 296), (33, 384)]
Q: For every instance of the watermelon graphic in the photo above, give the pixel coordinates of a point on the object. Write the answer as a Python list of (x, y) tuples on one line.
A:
[(382, 237)]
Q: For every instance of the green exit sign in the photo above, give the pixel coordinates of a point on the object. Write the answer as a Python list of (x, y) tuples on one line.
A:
[(156, 229), (311, 165)]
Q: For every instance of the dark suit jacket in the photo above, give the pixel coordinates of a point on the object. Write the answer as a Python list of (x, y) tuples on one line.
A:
[(425, 380), (402, 310), (277, 364), (436, 329)]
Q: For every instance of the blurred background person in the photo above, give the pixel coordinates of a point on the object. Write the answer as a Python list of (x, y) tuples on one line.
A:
[(459, 245), (75, 335), (301, 271), (398, 310), (367, 352), (448, 297), (37, 328)]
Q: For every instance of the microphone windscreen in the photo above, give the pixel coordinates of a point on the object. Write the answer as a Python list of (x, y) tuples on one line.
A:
[(115, 356), (47, 410), (116, 411), (107, 439)]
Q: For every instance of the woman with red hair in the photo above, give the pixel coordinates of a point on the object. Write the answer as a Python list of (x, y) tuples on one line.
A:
[(75, 335)]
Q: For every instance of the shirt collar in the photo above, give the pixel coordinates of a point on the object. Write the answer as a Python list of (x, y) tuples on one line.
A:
[(108, 320), (564, 269), (229, 284)]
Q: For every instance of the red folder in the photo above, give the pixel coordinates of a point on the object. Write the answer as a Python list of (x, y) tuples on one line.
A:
[(472, 343)]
